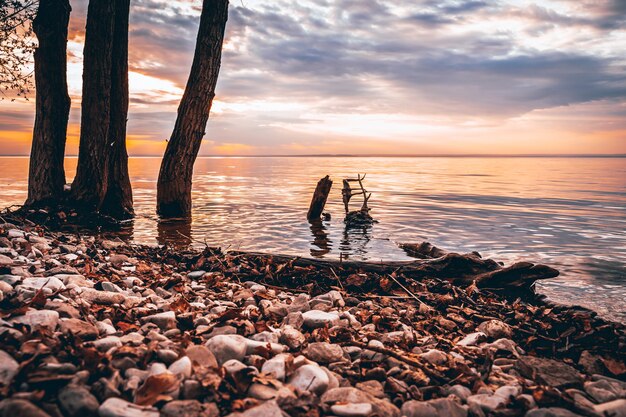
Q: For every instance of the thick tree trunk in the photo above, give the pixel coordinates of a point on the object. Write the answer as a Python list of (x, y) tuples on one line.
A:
[(46, 177), (318, 201), (92, 174), (118, 201), (175, 177)]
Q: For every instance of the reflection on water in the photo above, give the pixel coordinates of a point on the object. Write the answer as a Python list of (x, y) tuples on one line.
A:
[(567, 212)]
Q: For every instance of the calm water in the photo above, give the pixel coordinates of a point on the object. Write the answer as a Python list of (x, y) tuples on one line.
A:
[(567, 212)]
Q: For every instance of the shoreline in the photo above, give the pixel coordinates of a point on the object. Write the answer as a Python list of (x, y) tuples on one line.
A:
[(102, 324)]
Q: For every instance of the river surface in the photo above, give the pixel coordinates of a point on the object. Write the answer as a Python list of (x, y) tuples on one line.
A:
[(569, 213)]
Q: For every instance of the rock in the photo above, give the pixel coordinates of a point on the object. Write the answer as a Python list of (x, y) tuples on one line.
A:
[(292, 337), (472, 339), (317, 318), (77, 401), (202, 356), (495, 329), (352, 410), (38, 318), (51, 283), (486, 402), (549, 372), (435, 357), (551, 412), (460, 391), (226, 347), (300, 303), (323, 352), (616, 408), (102, 297), (117, 407), (165, 320), (196, 274), (448, 407), (277, 366), (5, 260), (418, 409), (343, 395), (107, 343), (274, 391), (253, 346), (310, 378), (181, 367), (11, 407), (603, 391), (592, 364), (267, 409), (189, 408), (78, 328), (508, 391), (8, 368)]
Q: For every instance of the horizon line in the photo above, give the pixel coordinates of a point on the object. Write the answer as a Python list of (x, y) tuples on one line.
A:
[(376, 155)]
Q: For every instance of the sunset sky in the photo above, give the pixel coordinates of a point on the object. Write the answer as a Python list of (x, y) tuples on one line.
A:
[(373, 77)]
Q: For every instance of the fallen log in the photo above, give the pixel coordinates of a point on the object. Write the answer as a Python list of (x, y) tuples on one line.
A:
[(318, 201), (456, 268)]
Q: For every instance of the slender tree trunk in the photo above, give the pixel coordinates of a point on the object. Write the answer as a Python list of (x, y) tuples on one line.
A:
[(118, 201), (46, 177), (175, 177), (92, 174)]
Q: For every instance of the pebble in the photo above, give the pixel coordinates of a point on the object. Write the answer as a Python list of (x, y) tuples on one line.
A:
[(616, 408), (181, 367), (78, 328), (267, 409), (117, 407), (277, 366), (495, 329), (317, 318), (38, 318), (435, 357), (102, 297), (292, 337), (552, 412), (352, 410), (472, 339), (13, 407), (549, 372), (418, 409), (189, 408), (310, 378), (77, 401), (8, 368), (226, 347), (323, 352), (165, 320), (486, 402), (107, 343)]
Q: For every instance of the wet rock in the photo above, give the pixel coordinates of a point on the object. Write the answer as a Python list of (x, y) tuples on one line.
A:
[(77, 401), (495, 329), (549, 372), (309, 378), (189, 408), (323, 352), (616, 408), (317, 318), (78, 328), (117, 407), (11, 407), (267, 409), (226, 347), (352, 410), (8, 368)]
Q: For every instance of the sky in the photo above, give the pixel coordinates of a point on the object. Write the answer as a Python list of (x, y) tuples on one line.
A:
[(373, 77)]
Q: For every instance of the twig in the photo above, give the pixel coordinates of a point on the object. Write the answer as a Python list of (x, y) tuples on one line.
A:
[(337, 277), (415, 297)]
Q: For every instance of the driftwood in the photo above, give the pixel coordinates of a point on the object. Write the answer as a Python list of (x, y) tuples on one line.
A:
[(457, 268), (319, 198)]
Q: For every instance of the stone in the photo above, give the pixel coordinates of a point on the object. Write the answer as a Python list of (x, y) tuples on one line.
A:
[(549, 372), (201, 355), (107, 343), (551, 412), (267, 409), (435, 357), (252, 347), (317, 318), (102, 297), (38, 318), (196, 274), (300, 303), (181, 367), (508, 391), (51, 283), (274, 391), (448, 407), (472, 339), (460, 391), (352, 410), (165, 320), (277, 366), (418, 409), (592, 364), (616, 408), (8, 368), (343, 395), (486, 402), (309, 378), (11, 407), (5, 260), (117, 407), (77, 401), (323, 352), (603, 391), (495, 329), (292, 337), (227, 346), (78, 328), (165, 355), (189, 408)]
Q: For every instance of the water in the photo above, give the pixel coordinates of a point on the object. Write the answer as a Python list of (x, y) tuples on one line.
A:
[(569, 213)]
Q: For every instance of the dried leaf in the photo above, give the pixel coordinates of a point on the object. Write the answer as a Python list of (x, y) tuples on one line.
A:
[(154, 388)]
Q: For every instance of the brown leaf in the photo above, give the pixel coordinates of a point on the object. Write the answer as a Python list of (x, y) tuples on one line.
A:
[(615, 366), (180, 305), (154, 388)]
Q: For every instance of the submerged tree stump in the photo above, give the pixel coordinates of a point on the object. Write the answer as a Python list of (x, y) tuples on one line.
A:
[(319, 198)]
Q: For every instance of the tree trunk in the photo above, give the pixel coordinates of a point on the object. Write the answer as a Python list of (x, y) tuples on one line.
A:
[(175, 176), (318, 201), (118, 201), (46, 177), (92, 174)]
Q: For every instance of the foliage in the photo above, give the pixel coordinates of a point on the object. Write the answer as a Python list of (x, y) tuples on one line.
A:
[(17, 45)]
